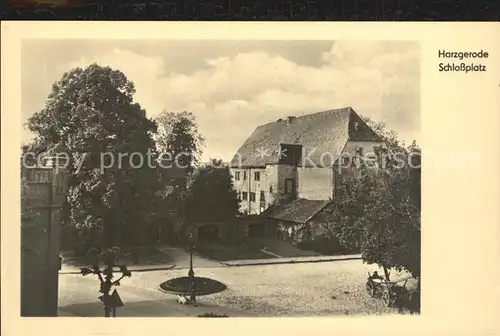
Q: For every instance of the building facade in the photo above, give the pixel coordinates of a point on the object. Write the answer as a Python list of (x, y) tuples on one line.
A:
[(45, 191), (299, 158)]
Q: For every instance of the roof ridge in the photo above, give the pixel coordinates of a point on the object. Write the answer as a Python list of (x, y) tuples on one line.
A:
[(326, 131), (325, 203), (310, 115), (306, 208)]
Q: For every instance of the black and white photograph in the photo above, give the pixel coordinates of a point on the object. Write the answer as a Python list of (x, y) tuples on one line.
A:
[(220, 177)]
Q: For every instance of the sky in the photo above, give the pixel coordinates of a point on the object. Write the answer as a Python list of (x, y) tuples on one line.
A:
[(233, 86)]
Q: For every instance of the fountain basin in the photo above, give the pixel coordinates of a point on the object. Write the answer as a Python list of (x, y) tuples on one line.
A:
[(182, 286)]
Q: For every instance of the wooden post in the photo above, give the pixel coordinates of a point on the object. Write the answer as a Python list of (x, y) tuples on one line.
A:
[(106, 308), (386, 273)]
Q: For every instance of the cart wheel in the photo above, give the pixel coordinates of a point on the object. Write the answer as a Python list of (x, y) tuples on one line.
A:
[(386, 298), (370, 288)]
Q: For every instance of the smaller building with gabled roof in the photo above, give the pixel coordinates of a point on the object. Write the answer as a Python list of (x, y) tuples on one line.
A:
[(296, 219)]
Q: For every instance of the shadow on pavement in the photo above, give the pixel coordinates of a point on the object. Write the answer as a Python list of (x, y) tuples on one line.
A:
[(151, 308), (149, 255)]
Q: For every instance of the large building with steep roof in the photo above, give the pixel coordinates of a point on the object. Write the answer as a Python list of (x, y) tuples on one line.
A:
[(296, 157)]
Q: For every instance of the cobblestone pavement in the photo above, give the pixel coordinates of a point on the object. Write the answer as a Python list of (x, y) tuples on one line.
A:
[(309, 289)]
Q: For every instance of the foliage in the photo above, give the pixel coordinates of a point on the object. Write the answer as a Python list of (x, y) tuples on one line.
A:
[(388, 136), (212, 315), (178, 141), (89, 112), (179, 144), (210, 195), (111, 257), (179, 138), (378, 210), (326, 244)]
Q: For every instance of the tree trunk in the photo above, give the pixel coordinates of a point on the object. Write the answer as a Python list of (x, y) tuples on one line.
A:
[(386, 272)]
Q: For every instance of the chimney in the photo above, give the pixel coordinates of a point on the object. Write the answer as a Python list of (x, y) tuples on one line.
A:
[(290, 119)]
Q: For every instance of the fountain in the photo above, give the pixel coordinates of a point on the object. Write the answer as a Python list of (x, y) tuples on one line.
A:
[(189, 287)]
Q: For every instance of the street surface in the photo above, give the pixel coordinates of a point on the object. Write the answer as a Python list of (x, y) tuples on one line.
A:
[(299, 289)]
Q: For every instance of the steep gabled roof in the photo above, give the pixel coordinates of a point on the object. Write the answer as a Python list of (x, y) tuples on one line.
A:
[(322, 135), (298, 211)]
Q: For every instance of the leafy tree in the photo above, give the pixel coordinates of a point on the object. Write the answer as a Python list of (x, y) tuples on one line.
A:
[(178, 141), (210, 195), (389, 136), (91, 111), (378, 210), (178, 137)]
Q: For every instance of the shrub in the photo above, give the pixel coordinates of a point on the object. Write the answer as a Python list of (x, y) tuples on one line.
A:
[(212, 315), (325, 244)]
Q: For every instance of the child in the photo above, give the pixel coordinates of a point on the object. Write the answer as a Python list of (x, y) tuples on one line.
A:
[(182, 299)]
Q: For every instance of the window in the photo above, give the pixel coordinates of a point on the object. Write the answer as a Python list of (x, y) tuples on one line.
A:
[(290, 154), (359, 151), (244, 195), (345, 161), (252, 197), (256, 176), (289, 186), (237, 176), (245, 175), (271, 189), (262, 195)]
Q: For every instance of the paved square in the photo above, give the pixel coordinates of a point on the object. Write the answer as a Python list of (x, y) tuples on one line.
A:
[(305, 289)]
